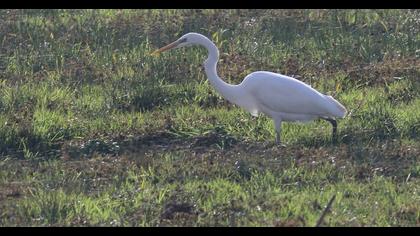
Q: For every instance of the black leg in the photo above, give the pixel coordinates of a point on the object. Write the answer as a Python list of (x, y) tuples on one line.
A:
[(256, 128), (277, 125), (334, 125)]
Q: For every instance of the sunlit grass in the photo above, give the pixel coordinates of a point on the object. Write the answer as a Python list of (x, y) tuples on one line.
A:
[(95, 131)]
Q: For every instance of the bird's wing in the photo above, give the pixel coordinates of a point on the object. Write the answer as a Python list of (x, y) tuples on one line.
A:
[(284, 94)]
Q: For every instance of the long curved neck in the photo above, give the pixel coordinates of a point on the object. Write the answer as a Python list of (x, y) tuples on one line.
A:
[(228, 91)]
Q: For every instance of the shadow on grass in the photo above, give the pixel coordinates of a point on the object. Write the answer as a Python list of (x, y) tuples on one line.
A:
[(29, 146)]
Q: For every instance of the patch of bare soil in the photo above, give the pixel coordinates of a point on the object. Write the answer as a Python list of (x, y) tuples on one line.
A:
[(384, 72), (13, 190), (173, 208)]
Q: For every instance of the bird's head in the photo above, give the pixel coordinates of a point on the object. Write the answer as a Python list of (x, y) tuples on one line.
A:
[(185, 40)]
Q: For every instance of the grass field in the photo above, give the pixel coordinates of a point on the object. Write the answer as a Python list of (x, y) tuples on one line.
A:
[(96, 132)]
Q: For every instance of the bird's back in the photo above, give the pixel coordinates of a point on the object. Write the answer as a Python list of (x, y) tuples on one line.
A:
[(284, 94)]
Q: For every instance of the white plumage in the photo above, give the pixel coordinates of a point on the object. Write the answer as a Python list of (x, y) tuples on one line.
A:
[(280, 97)]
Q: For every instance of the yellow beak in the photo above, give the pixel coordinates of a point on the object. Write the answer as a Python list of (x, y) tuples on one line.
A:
[(167, 47)]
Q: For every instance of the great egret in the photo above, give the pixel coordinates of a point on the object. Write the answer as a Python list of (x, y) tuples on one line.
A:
[(281, 97)]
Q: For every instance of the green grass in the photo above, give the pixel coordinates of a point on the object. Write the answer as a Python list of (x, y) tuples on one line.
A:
[(95, 131)]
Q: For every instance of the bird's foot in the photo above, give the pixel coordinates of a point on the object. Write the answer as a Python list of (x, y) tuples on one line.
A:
[(282, 145)]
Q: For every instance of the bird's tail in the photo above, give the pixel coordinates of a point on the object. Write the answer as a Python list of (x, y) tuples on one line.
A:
[(337, 109)]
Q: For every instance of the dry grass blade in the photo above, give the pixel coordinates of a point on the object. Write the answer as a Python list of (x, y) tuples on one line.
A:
[(324, 212)]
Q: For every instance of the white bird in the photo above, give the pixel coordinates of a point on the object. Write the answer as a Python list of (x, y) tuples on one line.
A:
[(278, 96)]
